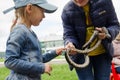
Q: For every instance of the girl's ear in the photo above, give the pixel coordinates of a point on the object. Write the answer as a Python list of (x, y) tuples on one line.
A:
[(29, 8)]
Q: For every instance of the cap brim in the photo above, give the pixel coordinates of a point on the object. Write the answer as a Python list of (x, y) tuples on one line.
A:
[(48, 7), (8, 10)]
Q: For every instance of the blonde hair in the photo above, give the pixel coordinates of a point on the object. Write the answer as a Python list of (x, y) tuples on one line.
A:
[(20, 13)]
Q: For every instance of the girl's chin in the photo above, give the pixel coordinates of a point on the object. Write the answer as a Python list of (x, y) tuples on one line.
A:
[(36, 24)]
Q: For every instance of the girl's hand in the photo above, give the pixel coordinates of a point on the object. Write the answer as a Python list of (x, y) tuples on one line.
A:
[(59, 51), (48, 69)]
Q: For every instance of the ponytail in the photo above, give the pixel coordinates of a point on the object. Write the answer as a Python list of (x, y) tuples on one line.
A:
[(14, 21), (21, 14)]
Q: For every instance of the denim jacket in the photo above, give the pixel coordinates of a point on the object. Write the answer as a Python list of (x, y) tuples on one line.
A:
[(23, 55)]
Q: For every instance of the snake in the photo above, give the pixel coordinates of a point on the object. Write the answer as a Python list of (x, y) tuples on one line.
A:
[(86, 50)]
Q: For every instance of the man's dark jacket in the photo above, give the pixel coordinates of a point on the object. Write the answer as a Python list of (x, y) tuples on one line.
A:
[(102, 13)]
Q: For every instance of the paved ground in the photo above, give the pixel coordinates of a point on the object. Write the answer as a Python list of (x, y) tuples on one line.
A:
[(58, 61), (54, 61), (1, 64)]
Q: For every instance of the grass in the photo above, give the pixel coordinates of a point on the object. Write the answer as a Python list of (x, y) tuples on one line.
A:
[(60, 72), (3, 73), (2, 59)]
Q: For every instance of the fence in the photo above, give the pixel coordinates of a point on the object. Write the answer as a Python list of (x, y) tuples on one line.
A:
[(2, 54)]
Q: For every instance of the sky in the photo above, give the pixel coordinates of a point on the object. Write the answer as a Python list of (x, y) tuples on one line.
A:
[(51, 24)]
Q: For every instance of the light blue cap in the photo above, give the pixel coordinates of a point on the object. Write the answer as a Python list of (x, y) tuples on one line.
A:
[(49, 8)]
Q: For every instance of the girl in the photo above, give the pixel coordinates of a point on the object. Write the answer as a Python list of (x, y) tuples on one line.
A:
[(23, 52), (116, 56)]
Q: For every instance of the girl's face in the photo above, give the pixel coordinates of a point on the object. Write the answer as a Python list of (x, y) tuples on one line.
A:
[(81, 2), (36, 14)]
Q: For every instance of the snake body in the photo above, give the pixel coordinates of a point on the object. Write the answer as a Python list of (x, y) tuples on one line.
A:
[(86, 50)]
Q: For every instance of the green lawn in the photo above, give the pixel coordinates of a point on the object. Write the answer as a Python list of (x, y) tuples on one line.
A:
[(2, 59), (3, 73), (60, 72)]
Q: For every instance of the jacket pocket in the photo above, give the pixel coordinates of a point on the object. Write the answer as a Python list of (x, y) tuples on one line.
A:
[(99, 17)]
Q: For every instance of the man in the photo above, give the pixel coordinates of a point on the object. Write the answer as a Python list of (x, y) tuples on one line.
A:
[(80, 18)]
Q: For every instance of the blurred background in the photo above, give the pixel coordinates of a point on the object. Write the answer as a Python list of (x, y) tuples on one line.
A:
[(49, 33)]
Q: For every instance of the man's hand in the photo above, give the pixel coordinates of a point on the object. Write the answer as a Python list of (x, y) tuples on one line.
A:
[(102, 33), (71, 47)]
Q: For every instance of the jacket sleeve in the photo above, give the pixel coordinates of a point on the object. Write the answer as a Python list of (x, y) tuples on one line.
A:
[(69, 34), (14, 44), (113, 25), (49, 56)]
